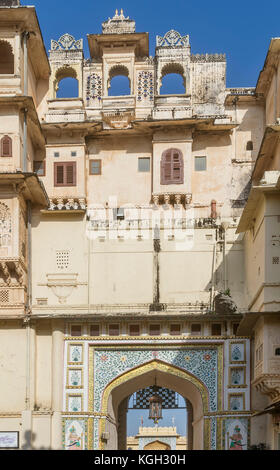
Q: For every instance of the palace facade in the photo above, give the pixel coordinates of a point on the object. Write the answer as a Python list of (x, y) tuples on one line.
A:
[(139, 241)]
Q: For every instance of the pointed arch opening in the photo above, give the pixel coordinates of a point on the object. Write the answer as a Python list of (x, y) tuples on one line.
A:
[(66, 83), (117, 393), (119, 81), (173, 80), (6, 58)]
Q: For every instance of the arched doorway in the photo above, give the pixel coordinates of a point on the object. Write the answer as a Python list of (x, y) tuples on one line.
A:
[(116, 394), (174, 427), (157, 445)]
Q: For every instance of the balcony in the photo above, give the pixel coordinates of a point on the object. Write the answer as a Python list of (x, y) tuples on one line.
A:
[(172, 107), (12, 285), (118, 103), (65, 110)]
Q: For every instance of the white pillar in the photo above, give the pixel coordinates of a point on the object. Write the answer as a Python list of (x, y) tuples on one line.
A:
[(57, 382)]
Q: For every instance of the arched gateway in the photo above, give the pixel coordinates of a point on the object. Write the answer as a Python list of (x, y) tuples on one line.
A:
[(101, 376)]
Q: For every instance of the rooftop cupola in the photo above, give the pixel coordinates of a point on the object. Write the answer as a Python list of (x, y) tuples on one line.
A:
[(118, 24)]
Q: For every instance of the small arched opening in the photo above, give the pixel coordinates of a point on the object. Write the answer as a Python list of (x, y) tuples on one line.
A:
[(119, 82), (173, 80), (6, 58), (66, 83)]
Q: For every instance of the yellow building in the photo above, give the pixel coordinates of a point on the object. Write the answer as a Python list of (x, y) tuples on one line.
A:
[(139, 238)]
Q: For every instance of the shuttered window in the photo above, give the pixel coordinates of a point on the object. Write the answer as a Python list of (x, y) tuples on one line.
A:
[(172, 167), (154, 330), (114, 329), (216, 329), (65, 174), (134, 330), (196, 329), (95, 167), (6, 146), (76, 330), (94, 330), (175, 329)]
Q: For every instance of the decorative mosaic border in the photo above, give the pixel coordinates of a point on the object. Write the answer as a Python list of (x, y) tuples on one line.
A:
[(230, 384), (72, 363), (75, 395), (231, 344), (231, 395), (69, 370)]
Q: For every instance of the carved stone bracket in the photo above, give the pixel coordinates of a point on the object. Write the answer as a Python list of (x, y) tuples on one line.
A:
[(171, 198), (6, 272), (12, 268), (118, 120), (268, 384), (67, 204)]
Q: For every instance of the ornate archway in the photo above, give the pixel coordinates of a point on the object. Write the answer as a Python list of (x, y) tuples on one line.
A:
[(167, 375)]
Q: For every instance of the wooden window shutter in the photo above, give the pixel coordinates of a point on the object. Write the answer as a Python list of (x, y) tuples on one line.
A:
[(65, 174), (6, 146), (59, 174), (70, 174), (172, 167)]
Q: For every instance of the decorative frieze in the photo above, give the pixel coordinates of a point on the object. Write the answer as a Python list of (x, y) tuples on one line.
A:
[(66, 43), (172, 39), (208, 58)]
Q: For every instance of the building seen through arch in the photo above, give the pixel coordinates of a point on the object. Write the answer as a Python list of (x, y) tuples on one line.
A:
[(139, 242)]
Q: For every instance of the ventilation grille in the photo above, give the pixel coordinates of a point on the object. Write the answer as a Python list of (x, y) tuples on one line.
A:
[(4, 296), (62, 259)]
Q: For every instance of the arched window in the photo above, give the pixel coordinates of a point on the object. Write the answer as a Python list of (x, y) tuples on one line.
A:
[(173, 80), (68, 88), (119, 83), (249, 145), (6, 146), (6, 58), (172, 167), (66, 83)]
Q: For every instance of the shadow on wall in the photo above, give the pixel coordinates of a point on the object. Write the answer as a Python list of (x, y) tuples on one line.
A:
[(27, 440)]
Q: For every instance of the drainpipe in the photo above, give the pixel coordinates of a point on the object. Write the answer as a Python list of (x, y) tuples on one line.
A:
[(235, 100), (27, 413), (25, 92), (275, 93), (225, 226), (24, 162), (212, 277), (25, 63)]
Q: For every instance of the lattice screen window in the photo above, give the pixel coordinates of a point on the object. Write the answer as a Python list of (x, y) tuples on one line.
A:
[(62, 259), (4, 296), (275, 260)]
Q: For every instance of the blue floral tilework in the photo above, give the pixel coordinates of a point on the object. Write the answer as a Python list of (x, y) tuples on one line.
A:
[(202, 363)]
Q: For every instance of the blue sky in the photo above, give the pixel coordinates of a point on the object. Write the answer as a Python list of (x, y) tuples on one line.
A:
[(241, 29)]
